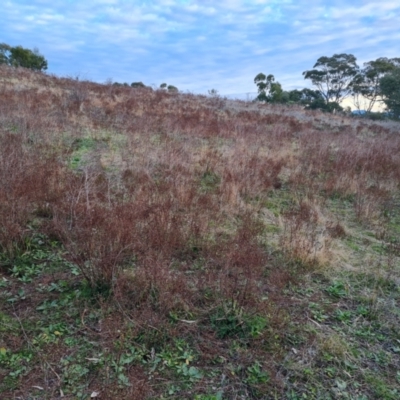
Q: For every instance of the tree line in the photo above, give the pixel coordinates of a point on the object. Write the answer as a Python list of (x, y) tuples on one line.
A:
[(334, 78), (163, 86), (337, 77)]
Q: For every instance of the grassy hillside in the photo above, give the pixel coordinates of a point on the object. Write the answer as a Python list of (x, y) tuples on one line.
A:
[(159, 245)]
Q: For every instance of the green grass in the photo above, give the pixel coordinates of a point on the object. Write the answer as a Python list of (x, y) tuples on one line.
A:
[(350, 337), (339, 338)]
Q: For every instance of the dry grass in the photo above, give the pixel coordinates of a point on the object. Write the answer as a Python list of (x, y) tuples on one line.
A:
[(195, 210)]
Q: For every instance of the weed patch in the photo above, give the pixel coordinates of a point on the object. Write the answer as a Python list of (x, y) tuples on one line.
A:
[(158, 245)]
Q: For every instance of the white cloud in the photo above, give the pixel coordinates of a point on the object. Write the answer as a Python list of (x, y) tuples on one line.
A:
[(197, 44)]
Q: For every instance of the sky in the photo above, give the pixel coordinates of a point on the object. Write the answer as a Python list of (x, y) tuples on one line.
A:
[(199, 45)]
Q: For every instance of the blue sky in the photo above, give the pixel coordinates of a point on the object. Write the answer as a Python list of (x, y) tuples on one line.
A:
[(199, 45)]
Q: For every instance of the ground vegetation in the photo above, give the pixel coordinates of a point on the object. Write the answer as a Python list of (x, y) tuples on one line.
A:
[(164, 245)]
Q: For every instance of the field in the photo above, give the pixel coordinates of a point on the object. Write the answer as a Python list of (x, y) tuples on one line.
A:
[(159, 245)]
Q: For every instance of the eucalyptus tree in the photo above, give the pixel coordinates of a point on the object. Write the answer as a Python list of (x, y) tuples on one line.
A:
[(21, 57), (4, 53), (169, 88), (32, 59), (333, 76), (269, 90), (390, 91), (367, 82), (138, 85)]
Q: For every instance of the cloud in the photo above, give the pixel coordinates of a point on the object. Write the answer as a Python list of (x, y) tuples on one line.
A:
[(195, 44)]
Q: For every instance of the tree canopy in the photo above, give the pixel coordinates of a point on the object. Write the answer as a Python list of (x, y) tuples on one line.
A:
[(4, 52), (21, 57), (367, 82), (170, 88), (138, 85), (333, 76), (390, 90), (268, 90)]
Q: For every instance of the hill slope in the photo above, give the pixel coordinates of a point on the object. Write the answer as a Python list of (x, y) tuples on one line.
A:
[(167, 245)]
